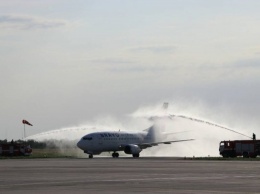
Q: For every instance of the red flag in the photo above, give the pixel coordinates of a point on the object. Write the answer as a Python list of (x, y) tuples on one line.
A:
[(26, 122)]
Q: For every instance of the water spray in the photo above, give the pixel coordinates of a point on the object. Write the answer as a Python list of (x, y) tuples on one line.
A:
[(209, 123), (163, 114)]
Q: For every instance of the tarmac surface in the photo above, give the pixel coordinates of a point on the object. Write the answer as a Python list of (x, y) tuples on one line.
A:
[(128, 175)]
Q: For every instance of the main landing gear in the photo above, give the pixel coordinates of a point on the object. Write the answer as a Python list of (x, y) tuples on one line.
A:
[(136, 155), (90, 156), (115, 155)]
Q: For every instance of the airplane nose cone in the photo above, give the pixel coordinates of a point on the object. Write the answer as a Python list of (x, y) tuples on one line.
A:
[(80, 145)]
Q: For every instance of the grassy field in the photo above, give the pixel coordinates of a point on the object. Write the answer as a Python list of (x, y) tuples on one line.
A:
[(224, 159), (53, 153)]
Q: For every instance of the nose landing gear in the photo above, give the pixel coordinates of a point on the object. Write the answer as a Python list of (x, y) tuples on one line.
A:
[(115, 155)]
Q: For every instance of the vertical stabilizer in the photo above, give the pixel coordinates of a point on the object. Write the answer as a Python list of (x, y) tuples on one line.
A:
[(165, 105), (155, 132)]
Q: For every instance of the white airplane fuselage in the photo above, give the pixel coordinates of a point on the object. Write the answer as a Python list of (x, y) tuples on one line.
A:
[(111, 141)]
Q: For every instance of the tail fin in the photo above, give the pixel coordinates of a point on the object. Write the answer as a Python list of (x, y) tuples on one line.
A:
[(165, 105), (155, 132), (162, 114)]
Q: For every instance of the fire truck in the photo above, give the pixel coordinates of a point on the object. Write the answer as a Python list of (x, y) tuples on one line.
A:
[(14, 149), (245, 148)]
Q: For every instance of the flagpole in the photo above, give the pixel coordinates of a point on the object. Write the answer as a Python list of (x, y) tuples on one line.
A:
[(24, 131)]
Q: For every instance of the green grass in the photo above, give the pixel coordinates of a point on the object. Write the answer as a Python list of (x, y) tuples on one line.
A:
[(51, 153), (221, 158)]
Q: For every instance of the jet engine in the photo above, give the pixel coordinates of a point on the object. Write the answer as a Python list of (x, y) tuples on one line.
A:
[(132, 149)]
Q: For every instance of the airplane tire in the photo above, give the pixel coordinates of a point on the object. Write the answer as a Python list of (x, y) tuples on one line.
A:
[(136, 155), (90, 156), (115, 155)]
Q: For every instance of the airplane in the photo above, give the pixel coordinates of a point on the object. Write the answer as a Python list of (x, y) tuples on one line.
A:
[(114, 141)]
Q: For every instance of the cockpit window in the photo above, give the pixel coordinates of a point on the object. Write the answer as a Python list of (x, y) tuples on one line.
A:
[(87, 138)]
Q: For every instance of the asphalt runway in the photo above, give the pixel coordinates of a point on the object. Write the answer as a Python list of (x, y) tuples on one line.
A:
[(128, 175)]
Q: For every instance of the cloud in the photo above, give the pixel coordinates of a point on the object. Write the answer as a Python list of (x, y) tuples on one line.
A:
[(117, 65), (253, 63), (136, 69), (154, 49), (111, 61), (11, 21)]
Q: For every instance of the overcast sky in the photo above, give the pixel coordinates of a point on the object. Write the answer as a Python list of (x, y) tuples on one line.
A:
[(63, 62)]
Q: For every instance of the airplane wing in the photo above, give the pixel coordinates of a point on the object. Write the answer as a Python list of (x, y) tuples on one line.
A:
[(151, 144), (147, 145)]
